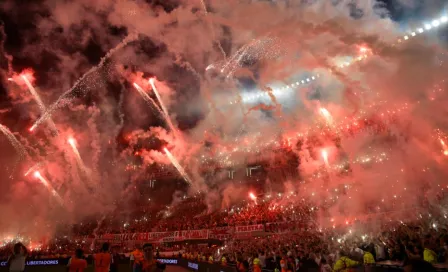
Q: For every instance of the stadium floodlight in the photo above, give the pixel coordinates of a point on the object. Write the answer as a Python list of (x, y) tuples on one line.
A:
[(428, 26), (406, 37), (444, 19), (420, 30), (413, 34), (436, 23)]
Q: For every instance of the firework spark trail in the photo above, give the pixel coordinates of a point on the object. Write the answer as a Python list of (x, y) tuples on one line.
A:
[(365, 53), (81, 164), (213, 31), (14, 142), (445, 147), (177, 165), (326, 114), (66, 98), (149, 100), (50, 188), (39, 103), (34, 168), (162, 105), (265, 47), (95, 231), (324, 154), (253, 197)]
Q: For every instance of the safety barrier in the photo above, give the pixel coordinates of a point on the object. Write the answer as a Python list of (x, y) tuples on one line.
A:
[(59, 265)]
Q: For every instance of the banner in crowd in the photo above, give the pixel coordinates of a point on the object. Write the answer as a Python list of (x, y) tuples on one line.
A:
[(250, 228), (174, 236), (282, 227), (156, 237), (220, 233), (193, 234)]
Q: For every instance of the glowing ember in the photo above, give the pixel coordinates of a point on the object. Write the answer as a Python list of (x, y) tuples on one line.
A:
[(162, 105), (39, 102), (13, 140), (37, 174), (324, 154), (45, 182), (149, 100), (72, 143), (252, 196), (326, 114), (177, 165)]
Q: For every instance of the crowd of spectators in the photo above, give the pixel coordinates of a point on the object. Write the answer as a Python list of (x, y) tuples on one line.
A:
[(331, 250), (290, 237), (193, 214)]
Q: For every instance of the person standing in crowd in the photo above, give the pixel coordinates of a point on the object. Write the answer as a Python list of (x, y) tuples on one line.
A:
[(256, 264), (115, 259), (103, 259), (344, 263), (149, 264), (368, 258), (136, 259), (262, 258), (77, 262), (270, 262), (379, 250), (324, 267), (224, 260), (240, 265), (284, 266), (428, 253), (16, 261)]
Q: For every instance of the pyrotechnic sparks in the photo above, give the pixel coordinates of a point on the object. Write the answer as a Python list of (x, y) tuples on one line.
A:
[(445, 148), (47, 185), (298, 145), (326, 114), (162, 105), (177, 165), (261, 48), (324, 154), (364, 51), (72, 143), (14, 142), (67, 97), (33, 168), (253, 197), (39, 103), (151, 103), (345, 128)]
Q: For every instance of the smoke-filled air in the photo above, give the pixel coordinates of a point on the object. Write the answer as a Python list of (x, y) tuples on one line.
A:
[(333, 104)]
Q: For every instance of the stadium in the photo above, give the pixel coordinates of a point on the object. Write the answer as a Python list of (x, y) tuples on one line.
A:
[(209, 135)]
